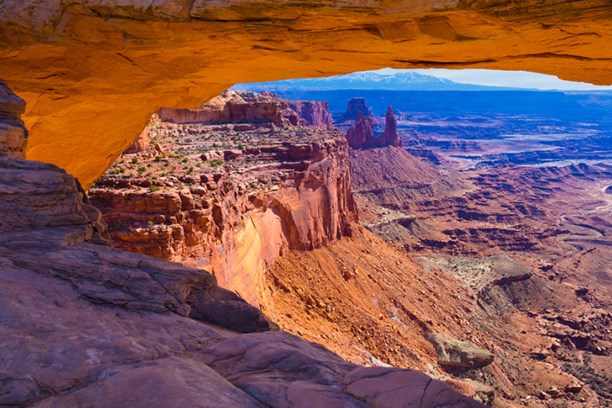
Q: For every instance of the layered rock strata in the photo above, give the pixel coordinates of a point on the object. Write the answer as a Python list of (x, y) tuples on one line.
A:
[(13, 134), (361, 135), (252, 108), (231, 196), (85, 324)]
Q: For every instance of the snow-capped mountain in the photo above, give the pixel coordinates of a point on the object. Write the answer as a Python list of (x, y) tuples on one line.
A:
[(384, 79)]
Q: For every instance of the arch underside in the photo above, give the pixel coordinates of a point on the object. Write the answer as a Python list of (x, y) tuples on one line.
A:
[(92, 72)]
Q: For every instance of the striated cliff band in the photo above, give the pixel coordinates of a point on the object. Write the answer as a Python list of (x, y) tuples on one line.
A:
[(246, 179), (93, 72)]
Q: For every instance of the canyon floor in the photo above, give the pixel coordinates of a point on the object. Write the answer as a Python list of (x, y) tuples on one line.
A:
[(490, 275)]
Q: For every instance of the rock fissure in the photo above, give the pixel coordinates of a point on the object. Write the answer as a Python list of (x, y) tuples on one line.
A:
[(424, 393)]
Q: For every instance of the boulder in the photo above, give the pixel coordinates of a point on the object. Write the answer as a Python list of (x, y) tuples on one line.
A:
[(456, 353)]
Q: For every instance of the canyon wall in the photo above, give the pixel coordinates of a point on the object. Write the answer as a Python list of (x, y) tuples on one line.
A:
[(93, 72), (88, 325), (231, 107), (251, 200)]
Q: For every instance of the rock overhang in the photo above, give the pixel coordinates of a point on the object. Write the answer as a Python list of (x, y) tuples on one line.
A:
[(92, 72)]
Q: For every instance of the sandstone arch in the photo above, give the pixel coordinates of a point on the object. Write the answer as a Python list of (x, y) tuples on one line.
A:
[(92, 71)]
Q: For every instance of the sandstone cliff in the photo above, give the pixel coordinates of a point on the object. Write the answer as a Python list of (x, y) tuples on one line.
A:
[(249, 192), (13, 133), (87, 325), (354, 108), (252, 108), (361, 135)]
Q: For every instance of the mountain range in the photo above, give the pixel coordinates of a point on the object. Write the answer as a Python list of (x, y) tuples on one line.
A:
[(392, 80)]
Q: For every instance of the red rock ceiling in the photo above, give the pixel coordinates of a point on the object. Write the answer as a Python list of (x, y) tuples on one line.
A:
[(92, 71)]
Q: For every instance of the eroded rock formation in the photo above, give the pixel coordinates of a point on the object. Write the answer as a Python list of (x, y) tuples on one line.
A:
[(390, 137), (255, 185), (361, 135), (356, 107), (252, 108), (13, 134), (94, 71), (85, 324)]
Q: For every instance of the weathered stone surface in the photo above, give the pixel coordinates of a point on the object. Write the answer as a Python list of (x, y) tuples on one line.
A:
[(37, 195), (257, 183), (165, 382), (94, 71), (382, 386), (245, 360), (13, 134)]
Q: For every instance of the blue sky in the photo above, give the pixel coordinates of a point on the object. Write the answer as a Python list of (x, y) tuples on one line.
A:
[(517, 79)]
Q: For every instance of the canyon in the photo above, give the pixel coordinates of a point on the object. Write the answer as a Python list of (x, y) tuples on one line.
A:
[(508, 231), (93, 72), (454, 260), (86, 324), (449, 259)]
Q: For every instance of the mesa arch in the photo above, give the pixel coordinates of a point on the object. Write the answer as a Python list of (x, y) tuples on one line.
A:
[(92, 71)]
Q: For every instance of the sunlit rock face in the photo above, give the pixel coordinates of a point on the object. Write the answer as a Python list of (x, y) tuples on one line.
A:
[(231, 187), (92, 72)]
